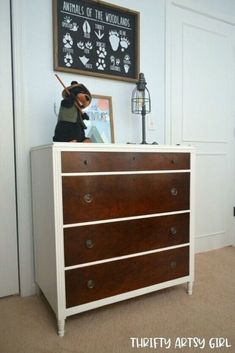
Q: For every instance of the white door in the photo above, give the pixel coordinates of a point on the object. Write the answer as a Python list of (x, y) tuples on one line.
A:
[(200, 112), (8, 235)]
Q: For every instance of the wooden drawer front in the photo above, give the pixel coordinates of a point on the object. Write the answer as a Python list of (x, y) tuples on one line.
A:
[(90, 198), (102, 241), (104, 280), (73, 162)]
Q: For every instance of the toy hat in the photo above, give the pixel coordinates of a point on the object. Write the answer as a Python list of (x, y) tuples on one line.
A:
[(76, 88)]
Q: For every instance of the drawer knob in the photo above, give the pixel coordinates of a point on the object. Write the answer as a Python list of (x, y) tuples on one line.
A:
[(90, 284), (174, 161), (173, 231), (173, 264), (174, 191), (88, 198), (89, 243), (85, 162)]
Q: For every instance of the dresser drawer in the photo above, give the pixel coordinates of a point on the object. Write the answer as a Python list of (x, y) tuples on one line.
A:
[(91, 283), (73, 162), (90, 198), (101, 241)]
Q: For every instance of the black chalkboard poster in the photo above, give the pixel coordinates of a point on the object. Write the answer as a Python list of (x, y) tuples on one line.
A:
[(96, 38)]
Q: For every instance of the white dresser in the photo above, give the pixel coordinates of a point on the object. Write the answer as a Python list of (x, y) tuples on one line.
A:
[(111, 222)]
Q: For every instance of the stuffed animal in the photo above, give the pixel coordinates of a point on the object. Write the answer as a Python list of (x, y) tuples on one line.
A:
[(70, 125)]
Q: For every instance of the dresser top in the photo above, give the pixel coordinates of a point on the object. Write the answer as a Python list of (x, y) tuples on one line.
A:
[(113, 147)]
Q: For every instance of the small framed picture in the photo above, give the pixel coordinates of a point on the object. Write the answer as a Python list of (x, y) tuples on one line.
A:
[(100, 125)]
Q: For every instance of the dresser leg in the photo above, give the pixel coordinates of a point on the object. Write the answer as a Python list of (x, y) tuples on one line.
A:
[(190, 288), (60, 325)]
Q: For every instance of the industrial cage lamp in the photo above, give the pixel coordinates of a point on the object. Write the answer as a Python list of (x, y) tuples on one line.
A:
[(141, 102)]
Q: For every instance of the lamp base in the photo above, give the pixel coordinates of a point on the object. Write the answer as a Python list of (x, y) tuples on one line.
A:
[(146, 143)]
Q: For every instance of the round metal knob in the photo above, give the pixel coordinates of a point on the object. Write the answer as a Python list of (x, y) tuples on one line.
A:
[(173, 231), (90, 284), (85, 162), (174, 191), (88, 198), (173, 264), (89, 243)]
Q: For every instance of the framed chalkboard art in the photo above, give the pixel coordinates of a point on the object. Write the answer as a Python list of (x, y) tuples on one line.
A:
[(100, 124), (96, 38)]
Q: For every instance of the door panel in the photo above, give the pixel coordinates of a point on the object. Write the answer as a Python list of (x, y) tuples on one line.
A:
[(8, 236), (205, 78)]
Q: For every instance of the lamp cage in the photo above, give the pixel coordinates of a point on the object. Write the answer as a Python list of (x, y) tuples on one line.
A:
[(141, 102)]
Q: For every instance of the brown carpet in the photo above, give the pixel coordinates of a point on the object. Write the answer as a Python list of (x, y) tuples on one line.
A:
[(27, 325)]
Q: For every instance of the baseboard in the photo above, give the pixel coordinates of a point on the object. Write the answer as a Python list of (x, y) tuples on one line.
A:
[(211, 242)]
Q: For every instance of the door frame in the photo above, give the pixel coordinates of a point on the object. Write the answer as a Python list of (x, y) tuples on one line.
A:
[(22, 151), (9, 240)]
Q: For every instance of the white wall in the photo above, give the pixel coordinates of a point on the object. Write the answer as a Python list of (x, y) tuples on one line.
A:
[(36, 91), (43, 89)]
